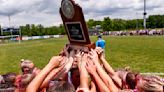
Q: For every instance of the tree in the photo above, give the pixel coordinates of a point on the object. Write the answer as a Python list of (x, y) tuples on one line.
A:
[(107, 24), (90, 23), (156, 21), (61, 29), (29, 33), (118, 24), (40, 29), (33, 30), (131, 24)]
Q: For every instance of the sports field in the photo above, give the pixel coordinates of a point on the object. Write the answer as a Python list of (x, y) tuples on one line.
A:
[(141, 53)]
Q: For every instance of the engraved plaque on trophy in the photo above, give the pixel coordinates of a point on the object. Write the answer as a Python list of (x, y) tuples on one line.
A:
[(75, 26)]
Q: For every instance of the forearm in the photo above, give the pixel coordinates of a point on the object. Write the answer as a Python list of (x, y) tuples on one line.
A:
[(83, 76), (64, 71), (37, 81), (102, 87), (49, 77), (111, 72), (107, 67), (106, 79)]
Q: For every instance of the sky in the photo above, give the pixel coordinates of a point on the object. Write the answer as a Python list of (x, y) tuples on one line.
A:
[(46, 12)]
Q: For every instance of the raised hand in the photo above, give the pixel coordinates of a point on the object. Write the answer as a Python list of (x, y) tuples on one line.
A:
[(55, 61), (91, 67), (84, 58), (99, 50), (92, 55), (78, 57), (63, 61)]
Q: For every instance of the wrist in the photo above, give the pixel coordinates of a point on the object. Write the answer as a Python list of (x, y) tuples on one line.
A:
[(102, 59), (48, 68), (94, 74)]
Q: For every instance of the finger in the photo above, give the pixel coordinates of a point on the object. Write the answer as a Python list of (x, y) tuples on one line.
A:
[(82, 53), (92, 50), (60, 58), (87, 64), (90, 54), (78, 51), (87, 67), (63, 62), (90, 62)]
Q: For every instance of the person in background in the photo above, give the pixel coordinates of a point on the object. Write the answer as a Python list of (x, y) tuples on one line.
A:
[(100, 42)]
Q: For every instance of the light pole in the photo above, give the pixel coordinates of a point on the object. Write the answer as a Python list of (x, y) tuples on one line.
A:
[(136, 21), (144, 15)]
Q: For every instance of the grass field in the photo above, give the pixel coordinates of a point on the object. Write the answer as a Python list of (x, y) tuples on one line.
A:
[(144, 54)]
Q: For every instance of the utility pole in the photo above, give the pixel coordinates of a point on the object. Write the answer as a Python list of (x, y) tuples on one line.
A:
[(136, 20), (20, 35), (144, 15), (1, 30), (10, 27)]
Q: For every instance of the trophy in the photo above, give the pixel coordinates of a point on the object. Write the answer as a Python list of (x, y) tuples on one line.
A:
[(75, 26)]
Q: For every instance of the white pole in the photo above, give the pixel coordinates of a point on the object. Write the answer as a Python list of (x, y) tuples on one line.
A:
[(1, 30), (11, 30), (20, 36), (144, 15)]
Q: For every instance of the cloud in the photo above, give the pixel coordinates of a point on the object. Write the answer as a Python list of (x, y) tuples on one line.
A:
[(46, 12)]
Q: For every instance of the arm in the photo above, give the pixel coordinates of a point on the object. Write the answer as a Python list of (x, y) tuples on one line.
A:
[(69, 61), (83, 72), (111, 71), (91, 68), (49, 77), (104, 76), (37, 81), (108, 68)]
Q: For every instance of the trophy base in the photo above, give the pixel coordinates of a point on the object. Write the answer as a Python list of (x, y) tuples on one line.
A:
[(84, 48)]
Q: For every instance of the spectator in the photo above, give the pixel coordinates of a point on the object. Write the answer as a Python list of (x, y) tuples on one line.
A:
[(100, 42)]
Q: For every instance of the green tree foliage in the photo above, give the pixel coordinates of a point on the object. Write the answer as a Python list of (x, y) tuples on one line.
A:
[(107, 24), (153, 21), (61, 29), (156, 21), (131, 24), (118, 24), (92, 23), (39, 30)]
